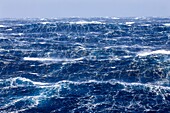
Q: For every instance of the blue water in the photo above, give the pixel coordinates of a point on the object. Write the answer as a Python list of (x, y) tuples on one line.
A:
[(85, 65)]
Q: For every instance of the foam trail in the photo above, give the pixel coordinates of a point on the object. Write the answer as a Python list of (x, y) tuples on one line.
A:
[(165, 52), (51, 59)]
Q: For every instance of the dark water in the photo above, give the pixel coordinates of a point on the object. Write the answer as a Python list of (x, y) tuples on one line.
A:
[(75, 65)]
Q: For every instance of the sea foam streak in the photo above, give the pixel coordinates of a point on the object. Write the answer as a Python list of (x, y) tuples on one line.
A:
[(51, 59), (154, 52)]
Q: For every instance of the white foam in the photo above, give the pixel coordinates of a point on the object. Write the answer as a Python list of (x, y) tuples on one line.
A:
[(167, 24), (129, 23), (20, 24), (115, 18), (8, 29), (42, 19), (87, 22), (113, 67), (145, 24), (3, 38), (152, 86), (137, 18), (2, 26), (127, 56), (45, 23), (42, 42), (2, 49), (146, 53), (13, 82), (34, 74), (148, 85), (108, 47), (20, 34), (51, 59)]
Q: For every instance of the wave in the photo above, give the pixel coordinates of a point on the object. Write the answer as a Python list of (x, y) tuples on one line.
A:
[(21, 81), (40, 92)]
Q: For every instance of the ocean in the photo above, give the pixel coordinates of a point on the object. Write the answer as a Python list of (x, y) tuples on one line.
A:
[(85, 65)]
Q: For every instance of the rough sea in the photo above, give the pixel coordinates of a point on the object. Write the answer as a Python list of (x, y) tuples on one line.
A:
[(85, 65)]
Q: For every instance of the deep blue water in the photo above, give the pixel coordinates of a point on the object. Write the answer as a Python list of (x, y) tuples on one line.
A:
[(85, 65)]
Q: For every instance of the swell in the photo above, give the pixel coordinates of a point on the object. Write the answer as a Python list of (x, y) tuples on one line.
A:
[(87, 95)]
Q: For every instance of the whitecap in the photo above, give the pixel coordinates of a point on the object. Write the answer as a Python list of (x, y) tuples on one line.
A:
[(108, 47), (3, 38), (8, 29), (2, 26), (42, 19), (2, 49), (129, 23), (45, 23), (28, 80), (167, 24), (20, 34), (22, 82), (36, 74), (51, 59), (137, 18), (86, 22), (146, 53), (145, 25), (115, 18), (127, 56)]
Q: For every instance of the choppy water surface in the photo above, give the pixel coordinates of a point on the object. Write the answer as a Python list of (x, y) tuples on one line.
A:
[(85, 65)]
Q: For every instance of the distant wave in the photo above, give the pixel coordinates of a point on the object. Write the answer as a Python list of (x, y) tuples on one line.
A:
[(86, 22)]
